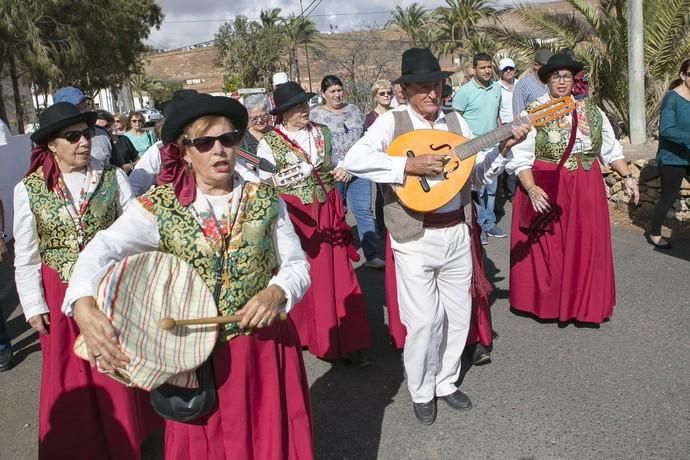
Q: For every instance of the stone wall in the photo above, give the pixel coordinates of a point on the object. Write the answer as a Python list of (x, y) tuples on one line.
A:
[(647, 175)]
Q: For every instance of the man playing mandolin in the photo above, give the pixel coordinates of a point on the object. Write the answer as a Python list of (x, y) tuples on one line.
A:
[(432, 250)]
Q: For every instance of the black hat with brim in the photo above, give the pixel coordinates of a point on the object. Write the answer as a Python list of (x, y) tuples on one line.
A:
[(559, 61), (420, 65), (57, 117), (289, 95), (185, 107)]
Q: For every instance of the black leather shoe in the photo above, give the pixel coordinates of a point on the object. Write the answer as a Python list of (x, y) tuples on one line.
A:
[(6, 358), (458, 400), (481, 355), (425, 412)]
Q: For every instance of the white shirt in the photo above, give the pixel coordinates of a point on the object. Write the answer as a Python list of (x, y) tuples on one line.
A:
[(27, 259), (367, 158), (523, 153), (304, 139), (145, 171), (505, 112), (136, 231), (5, 133)]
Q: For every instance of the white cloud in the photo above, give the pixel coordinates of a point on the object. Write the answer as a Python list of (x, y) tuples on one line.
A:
[(194, 21)]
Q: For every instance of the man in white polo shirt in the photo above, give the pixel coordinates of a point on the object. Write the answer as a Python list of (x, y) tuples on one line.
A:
[(507, 71)]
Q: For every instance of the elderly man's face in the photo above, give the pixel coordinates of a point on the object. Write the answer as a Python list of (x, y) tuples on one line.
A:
[(424, 97)]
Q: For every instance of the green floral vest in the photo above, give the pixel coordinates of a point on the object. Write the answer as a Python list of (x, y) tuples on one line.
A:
[(306, 189), (552, 138), (250, 261), (57, 237)]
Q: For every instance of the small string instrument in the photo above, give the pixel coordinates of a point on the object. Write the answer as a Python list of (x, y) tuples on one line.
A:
[(426, 193)]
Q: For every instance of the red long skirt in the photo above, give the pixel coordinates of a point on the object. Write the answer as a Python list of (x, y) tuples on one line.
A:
[(84, 414), (331, 319), (263, 408), (566, 274), (480, 321)]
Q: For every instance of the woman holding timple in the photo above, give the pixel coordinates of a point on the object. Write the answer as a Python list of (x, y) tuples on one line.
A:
[(346, 124)]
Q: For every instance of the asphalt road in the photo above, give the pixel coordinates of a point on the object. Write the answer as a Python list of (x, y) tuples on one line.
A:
[(618, 391)]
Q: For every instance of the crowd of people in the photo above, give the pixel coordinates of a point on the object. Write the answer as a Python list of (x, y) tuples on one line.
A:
[(273, 245)]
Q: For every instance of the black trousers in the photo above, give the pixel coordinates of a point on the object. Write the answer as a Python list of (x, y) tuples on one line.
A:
[(671, 179)]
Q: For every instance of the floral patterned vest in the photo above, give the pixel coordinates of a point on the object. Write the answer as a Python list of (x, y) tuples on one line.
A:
[(57, 237), (284, 157), (250, 261), (552, 138)]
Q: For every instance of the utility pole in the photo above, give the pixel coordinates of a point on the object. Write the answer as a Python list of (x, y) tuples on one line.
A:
[(636, 89), (306, 50)]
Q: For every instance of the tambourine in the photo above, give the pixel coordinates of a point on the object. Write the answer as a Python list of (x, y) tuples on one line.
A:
[(139, 292)]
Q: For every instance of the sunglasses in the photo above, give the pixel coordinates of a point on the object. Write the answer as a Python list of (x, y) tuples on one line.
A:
[(74, 136), (258, 119), (385, 93), (205, 143), (509, 69), (136, 120)]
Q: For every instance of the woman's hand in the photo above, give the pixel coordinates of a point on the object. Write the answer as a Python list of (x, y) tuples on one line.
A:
[(539, 199), (631, 189), (99, 335), (341, 175), (262, 309), (40, 323)]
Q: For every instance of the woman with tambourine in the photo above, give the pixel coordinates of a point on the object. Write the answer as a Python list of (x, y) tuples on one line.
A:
[(561, 262), (235, 232), (65, 198)]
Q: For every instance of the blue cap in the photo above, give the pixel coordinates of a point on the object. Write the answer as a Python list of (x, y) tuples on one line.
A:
[(69, 94)]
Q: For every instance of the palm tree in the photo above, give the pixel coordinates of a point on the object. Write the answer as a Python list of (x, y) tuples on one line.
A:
[(140, 84), (458, 23), (597, 32), (300, 31), (270, 18), (412, 20)]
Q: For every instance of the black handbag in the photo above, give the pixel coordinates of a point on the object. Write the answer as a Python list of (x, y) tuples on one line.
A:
[(531, 221), (188, 404)]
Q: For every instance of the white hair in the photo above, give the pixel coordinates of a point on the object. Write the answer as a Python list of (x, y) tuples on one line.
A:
[(257, 101)]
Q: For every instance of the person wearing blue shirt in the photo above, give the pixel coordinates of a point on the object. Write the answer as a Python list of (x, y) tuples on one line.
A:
[(673, 155), (479, 101)]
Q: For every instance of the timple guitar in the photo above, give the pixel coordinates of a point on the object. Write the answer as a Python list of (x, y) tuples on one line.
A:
[(426, 194)]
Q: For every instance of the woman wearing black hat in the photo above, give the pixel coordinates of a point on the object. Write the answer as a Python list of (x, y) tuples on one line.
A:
[(331, 319), (64, 199), (561, 259), (205, 211)]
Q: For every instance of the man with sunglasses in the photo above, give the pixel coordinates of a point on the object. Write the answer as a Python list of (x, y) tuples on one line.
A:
[(507, 81)]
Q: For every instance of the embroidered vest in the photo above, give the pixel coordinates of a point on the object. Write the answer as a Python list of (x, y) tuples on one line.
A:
[(552, 138), (250, 261), (285, 158), (57, 237), (401, 222)]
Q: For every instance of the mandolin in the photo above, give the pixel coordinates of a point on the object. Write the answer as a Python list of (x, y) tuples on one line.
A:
[(426, 194)]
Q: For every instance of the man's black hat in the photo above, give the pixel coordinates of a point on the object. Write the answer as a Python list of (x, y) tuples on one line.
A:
[(289, 95), (187, 106), (556, 62), (57, 117), (420, 65)]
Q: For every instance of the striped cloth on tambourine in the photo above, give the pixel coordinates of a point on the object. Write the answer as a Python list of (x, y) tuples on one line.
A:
[(139, 291)]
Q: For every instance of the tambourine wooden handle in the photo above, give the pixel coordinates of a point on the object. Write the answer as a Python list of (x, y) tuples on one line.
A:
[(169, 323)]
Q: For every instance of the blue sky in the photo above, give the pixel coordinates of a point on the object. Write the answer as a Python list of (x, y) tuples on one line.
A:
[(193, 21)]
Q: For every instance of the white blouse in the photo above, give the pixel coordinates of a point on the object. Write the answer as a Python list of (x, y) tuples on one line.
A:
[(136, 231), (27, 259), (523, 153), (368, 157)]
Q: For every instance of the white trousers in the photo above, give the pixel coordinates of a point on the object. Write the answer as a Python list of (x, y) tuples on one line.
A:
[(433, 275)]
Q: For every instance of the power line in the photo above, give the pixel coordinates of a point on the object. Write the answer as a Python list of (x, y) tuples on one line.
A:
[(254, 19)]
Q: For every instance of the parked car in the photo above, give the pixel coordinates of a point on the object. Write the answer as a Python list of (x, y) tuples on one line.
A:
[(316, 100), (150, 115)]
